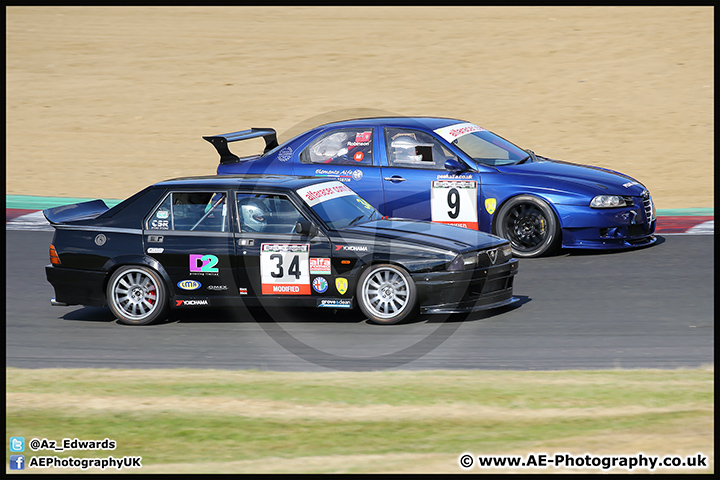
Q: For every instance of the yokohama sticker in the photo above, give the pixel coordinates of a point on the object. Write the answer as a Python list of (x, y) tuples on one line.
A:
[(285, 269)]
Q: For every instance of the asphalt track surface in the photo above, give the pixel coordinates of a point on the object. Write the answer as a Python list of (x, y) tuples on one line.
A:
[(645, 308)]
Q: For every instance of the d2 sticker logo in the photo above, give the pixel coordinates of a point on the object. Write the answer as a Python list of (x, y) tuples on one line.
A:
[(203, 263)]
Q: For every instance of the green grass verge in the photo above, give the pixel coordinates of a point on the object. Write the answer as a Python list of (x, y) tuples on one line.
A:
[(194, 421)]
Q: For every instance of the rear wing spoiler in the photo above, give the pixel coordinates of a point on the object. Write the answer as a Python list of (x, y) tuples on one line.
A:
[(220, 142), (76, 211)]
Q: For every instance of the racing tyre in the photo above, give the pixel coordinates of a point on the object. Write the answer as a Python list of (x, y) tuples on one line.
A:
[(530, 225), (137, 295), (386, 294)]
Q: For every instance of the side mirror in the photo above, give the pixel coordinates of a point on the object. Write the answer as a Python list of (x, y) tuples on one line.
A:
[(454, 166), (303, 227)]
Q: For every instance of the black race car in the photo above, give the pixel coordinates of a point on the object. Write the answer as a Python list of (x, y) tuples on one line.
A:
[(268, 241)]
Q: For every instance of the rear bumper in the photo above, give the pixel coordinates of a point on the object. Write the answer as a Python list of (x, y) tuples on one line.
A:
[(467, 291), (76, 287)]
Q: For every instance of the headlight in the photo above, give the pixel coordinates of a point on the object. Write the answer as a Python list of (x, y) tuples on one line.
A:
[(609, 201), (462, 262), (507, 251)]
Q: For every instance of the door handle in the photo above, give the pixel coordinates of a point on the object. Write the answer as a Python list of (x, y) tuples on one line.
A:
[(394, 179)]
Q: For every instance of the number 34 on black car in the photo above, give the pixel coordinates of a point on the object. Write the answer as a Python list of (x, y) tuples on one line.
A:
[(223, 241)]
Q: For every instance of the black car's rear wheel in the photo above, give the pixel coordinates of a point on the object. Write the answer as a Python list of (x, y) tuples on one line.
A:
[(530, 225), (386, 294), (137, 295)]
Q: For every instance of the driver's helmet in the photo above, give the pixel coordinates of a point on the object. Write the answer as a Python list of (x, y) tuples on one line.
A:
[(404, 149), (253, 217)]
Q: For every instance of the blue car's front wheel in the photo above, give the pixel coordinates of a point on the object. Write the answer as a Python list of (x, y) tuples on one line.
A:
[(530, 225)]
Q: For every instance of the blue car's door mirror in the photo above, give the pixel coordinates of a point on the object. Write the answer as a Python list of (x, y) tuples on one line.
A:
[(454, 166)]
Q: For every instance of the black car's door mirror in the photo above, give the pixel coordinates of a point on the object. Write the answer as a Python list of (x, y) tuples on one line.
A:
[(454, 166), (304, 227)]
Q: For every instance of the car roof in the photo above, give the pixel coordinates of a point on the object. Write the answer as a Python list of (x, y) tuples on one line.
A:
[(283, 182), (427, 123)]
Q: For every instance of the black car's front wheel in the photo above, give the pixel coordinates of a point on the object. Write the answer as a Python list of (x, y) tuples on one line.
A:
[(386, 294), (137, 295), (530, 225)]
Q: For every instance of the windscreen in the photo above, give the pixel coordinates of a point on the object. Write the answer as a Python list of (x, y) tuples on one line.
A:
[(482, 145)]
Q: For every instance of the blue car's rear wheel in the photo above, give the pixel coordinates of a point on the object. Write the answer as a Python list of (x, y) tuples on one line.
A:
[(530, 225), (386, 294), (136, 295)]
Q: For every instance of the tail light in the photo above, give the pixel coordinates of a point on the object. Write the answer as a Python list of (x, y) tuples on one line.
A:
[(54, 258)]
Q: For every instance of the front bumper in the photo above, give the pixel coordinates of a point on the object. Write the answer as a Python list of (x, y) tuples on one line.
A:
[(468, 290), (585, 227)]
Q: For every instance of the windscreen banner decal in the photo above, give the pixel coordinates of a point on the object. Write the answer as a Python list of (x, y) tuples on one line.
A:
[(285, 269), (453, 132), (322, 192), (454, 202)]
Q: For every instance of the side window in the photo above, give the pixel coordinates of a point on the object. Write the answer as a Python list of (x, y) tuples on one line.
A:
[(267, 213), (415, 149), (191, 211), (341, 147)]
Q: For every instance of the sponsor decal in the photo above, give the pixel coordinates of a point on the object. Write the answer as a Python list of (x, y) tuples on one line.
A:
[(315, 194), (364, 203), (334, 303), (358, 157), (453, 132), (189, 284), (341, 284), (218, 288), (341, 175), (203, 263), (285, 154), (462, 176), (242, 291), (155, 250), (320, 266), (163, 214), (351, 248), (160, 224), (191, 303), (490, 205), (363, 137), (320, 285), (100, 240)]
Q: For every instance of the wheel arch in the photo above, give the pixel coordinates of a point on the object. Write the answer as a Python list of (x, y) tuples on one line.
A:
[(142, 260), (509, 198)]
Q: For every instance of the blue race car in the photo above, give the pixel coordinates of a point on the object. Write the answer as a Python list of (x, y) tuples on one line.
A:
[(455, 172)]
